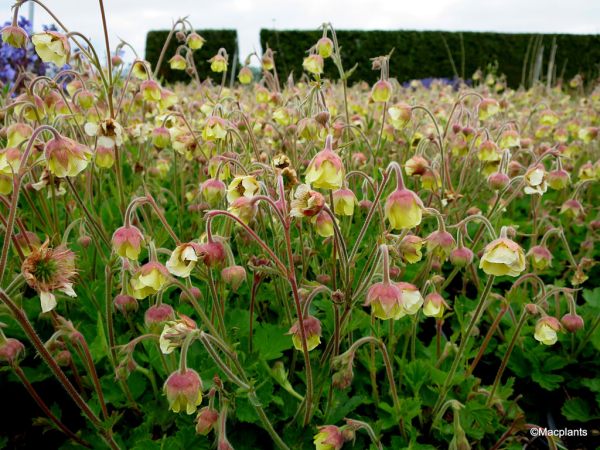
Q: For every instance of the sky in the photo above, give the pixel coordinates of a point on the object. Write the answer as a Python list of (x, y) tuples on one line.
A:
[(132, 19)]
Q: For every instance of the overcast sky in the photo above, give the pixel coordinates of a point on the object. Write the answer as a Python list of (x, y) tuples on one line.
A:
[(131, 19)]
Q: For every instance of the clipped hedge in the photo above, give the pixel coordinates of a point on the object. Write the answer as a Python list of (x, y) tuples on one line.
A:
[(422, 54), (215, 39)]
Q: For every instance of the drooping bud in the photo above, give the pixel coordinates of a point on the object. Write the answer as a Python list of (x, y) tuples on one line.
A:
[(540, 256), (440, 243), (234, 276), (410, 248), (313, 64), (343, 202), (329, 437), (461, 256), (14, 36), (572, 322), (125, 304), (10, 350), (325, 47), (156, 316), (498, 181), (382, 91), (434, 305), (206, 420), (326, 169)]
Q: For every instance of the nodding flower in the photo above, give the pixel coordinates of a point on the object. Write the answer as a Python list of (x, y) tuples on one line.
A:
[(52, 47), (183, 389), (326, 169), (65, 157)]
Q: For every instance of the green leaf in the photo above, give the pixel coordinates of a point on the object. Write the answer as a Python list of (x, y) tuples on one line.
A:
[(271, 340), (578, 409), (548, 381), (416, 374)]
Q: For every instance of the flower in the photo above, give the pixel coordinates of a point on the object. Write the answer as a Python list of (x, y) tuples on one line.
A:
[(243, 186), (385, 300), (403, 209), (326, 169), (218, 63), (244, 209), (127, 242), (410, 248), (65, 157), (382, 91), (399, 115), (195, 41), (329, 437), (245, 75), (10, 349), (323, 224), (50, 269), (14, 36), (503, 257), (177, 62), (213, 190), (545, 330), (535, 179), (312, 329), (343, 202), (10, 160), (150, 90), (541, 258), (461, 256), (52, 47), (183, 259), (214, 129), (148, 279), (306, 202), (313, 64), (434, 305), (440, 243), (108, 131), (183, 389), (175, 332), (411, 298), (105, 157), (325, 47), (487, 108)]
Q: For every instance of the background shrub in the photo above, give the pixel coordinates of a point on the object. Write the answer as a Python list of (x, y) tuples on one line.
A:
[(422, 54), (215, 39)]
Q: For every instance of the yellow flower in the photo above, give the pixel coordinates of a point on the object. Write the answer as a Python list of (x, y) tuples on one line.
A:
[(329, 437), (243, 186), (545, 330), (52, 47), (183, 260), (195, 41), (312, 329), (218, 63), (535, 179), (184, 391), (245, 75), (313, 64), (149, 279), (403, 209), (382, 91), (177, 62), (326, 170), (503, 257), (343, 202), (65, 157)]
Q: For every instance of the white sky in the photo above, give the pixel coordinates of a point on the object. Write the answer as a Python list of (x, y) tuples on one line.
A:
[(132, 19)]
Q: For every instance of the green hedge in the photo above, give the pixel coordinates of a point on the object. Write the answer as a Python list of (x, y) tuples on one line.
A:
[(215, 39), (422, 54)]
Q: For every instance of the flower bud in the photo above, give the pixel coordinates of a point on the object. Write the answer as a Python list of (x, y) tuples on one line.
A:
[(105, 157), (150, 90), (213, 191), (206, 420), (10, 350), (244, 209), (461, 256), (572, 208), (498, 181), (183, 389), (234, 276), (572, 322), (212, 253), (125, 304), (156, 316), (63, 358)]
